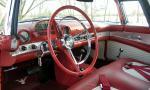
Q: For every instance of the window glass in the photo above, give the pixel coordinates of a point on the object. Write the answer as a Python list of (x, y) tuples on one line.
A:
[(105, 10), (2, 13), (149, 2), (98, 10), (134, 13)]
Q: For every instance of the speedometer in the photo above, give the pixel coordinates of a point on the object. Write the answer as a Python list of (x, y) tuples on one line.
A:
[(41, 26), (24, 36)]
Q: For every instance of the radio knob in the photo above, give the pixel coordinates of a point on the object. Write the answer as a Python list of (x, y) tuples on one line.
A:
[(33, 46), (23, 48)]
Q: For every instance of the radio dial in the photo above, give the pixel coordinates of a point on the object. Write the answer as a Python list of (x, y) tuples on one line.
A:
[(23, 48), (33, 46)]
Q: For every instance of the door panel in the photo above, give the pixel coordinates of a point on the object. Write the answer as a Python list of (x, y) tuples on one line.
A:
[(137, 37), (128, 52)]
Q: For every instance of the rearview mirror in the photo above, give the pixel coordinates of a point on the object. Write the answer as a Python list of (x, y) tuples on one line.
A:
[(85, 0)]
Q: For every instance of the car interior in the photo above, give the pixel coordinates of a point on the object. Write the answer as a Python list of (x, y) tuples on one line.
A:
[(80, 45)]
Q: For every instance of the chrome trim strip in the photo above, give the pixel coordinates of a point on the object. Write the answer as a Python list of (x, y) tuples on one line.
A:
[(28, 49)]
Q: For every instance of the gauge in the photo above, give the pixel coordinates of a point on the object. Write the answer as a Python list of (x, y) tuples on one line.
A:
[(24, 36), (41, 26)]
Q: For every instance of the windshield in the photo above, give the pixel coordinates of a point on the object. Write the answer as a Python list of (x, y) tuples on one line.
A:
[(98, 10)]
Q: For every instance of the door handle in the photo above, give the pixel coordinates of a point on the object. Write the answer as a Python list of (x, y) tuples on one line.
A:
[(135, 37), (138, 37)]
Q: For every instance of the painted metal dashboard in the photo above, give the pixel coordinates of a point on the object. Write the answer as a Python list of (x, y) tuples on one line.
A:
[(111, 32), (138, 37)]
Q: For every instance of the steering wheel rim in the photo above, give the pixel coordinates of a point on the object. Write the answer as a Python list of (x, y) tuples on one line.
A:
[(88, 69)]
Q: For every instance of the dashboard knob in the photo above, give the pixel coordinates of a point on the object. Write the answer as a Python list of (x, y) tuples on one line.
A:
[(23, 48), (33, 46)]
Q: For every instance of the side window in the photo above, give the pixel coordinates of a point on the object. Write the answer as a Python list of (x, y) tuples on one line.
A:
[(149, 2), (134, 13), (2, 11)]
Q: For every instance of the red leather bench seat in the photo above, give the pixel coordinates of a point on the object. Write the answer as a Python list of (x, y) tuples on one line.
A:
[(116, 77)]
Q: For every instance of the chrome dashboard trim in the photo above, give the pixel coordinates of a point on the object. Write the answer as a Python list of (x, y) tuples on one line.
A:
[(19, 51)]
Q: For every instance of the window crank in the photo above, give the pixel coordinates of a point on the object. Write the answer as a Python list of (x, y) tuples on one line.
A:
[(120, 51)]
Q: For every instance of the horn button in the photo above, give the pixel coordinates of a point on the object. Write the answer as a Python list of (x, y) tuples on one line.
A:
[(68, 41)]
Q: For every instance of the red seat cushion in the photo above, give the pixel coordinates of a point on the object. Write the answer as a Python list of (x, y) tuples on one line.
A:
[(116, 77)]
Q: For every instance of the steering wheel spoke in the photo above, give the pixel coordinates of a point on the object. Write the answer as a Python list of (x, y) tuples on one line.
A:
[(72, 59)]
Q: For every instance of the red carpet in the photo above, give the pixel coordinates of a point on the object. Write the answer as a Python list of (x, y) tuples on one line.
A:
[(32, 83)]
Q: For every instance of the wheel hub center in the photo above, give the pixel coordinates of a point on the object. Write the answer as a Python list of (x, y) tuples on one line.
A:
[(68, 41)]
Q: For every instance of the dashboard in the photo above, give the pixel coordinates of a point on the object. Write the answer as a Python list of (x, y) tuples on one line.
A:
[(31, 41), (31, 31)]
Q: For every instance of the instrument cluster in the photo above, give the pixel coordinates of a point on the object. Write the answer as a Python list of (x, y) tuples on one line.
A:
[(24, 36), (41, 26)]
